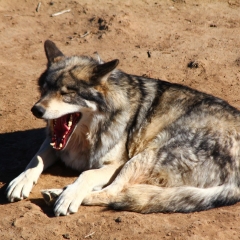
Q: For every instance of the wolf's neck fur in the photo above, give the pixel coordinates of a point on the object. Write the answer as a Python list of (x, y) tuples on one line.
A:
[(120, 124)]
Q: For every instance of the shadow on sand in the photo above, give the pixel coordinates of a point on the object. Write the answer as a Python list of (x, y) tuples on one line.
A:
[(17, 149)]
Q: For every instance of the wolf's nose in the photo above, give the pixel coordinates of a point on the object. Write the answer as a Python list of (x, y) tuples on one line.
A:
[(38, 111)]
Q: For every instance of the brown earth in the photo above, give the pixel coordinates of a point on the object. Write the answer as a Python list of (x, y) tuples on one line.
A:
[(196, 43)]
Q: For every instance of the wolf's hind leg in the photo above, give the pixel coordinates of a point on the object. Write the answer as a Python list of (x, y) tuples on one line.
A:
[(136, 170), (145, 198), (130, 192)]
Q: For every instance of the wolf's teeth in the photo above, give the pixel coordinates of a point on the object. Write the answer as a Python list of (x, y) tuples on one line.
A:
[(64, 136), (52, 144), (69, 123), (60, 145)]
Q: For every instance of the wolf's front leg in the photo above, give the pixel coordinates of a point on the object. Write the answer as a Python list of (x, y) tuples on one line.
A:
[(71, 198), (21, 186)]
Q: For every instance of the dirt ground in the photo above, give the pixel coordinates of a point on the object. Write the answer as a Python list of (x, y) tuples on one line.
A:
[(196, 43)]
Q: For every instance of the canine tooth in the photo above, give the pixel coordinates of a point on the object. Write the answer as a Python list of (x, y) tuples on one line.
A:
[(60, 145), (69, 123), (52, 144)]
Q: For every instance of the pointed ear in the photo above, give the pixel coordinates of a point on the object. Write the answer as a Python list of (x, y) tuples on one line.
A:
[(52, 52), (104, 69)]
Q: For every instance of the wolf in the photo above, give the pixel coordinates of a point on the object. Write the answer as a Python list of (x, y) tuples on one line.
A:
[(140, 144)]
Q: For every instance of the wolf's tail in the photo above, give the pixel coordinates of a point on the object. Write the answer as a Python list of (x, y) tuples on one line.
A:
[(148, 199)]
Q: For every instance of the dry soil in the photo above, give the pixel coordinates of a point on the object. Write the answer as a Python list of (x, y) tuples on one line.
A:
[(195, 43)]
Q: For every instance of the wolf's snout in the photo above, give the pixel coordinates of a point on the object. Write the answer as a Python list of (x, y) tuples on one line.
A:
[(38, 111)]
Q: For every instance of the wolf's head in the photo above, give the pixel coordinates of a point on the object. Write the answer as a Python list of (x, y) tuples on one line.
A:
[(70, 87)]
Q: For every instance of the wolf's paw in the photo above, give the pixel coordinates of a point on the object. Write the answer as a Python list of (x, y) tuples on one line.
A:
[(21, 186), (69, 201), (50, 195)]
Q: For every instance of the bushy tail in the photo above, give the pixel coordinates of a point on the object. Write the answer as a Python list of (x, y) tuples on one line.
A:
[(148, 199)]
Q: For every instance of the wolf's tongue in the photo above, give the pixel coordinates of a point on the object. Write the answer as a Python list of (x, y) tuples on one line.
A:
[(61, 127)]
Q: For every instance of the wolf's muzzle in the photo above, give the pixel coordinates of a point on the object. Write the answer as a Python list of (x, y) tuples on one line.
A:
[(38, 111)]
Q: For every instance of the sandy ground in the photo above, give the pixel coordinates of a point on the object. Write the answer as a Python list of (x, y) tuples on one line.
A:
[(196, 43)]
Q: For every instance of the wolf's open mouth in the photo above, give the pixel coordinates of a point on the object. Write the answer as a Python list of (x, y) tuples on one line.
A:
[(62, 129)]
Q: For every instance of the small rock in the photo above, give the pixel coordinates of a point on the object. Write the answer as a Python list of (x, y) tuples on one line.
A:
[(118, 220), (149, 54), (66, 236), (213, 25), (193, 64)]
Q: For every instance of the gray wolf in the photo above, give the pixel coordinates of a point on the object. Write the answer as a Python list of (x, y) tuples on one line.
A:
[(141, 144)]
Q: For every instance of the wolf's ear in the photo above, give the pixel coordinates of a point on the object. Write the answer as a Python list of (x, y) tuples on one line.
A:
[(103, 70), (52, 52)]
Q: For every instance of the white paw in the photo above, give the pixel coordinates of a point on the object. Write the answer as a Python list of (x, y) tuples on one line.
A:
[(51, 195), (69, 201), (21, 186)]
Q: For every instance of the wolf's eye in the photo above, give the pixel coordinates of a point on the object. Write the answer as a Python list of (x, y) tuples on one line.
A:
[(64, 93), (68, 96)]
